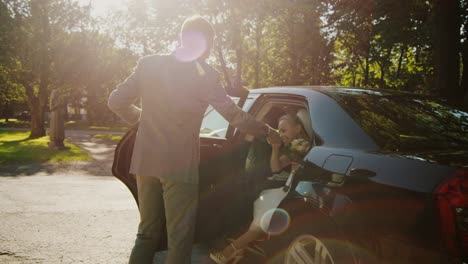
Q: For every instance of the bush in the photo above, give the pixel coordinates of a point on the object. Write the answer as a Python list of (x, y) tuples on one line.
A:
[(14, 123)]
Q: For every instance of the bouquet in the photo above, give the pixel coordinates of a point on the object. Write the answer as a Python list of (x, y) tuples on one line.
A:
[(298, 149)]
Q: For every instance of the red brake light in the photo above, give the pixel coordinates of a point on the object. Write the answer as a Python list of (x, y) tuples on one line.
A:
[(452, 201)]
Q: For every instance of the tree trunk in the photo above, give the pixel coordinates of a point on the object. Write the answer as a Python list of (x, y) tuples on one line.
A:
[(38, 129), (224, 69), (464, 78), (400, 60), (222, 61), (354, 78), (239, 57), (382, 76), (37, 121), (417, 54), (294, 78), (446, 39), (367, 50), (366, 72), (367, 61), (38, 104), (7, 111), (383, 67), (236, 26), (91, 104), (258, 39)]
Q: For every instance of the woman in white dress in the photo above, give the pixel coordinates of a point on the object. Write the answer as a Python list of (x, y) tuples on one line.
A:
[(290, 127)]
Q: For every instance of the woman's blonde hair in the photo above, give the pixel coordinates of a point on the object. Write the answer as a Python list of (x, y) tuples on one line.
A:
[(292, 118), (295, 120)]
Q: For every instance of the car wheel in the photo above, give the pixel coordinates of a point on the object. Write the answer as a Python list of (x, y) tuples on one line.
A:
[(308, 249), (311, 239), (318, 249)]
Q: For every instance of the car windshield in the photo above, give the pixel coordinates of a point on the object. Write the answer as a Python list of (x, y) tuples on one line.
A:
[(408, 122)]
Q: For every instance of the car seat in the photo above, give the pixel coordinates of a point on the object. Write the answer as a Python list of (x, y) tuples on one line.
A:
[(304, 116)]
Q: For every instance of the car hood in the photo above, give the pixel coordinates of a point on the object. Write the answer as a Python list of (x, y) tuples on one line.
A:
[(453, 158)]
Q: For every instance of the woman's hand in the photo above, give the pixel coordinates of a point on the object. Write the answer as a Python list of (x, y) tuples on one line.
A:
[(275, 142), (294, 166)]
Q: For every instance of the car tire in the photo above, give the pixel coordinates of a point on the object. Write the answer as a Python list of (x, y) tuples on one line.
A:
[(307, 248), (317, 242)]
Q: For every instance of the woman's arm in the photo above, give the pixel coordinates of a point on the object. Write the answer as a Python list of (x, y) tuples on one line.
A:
[(277, 162)]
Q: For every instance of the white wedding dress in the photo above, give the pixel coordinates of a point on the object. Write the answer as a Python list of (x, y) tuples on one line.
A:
[(266, 205)]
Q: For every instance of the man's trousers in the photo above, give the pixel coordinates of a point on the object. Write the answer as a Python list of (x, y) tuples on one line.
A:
[(180, 201)]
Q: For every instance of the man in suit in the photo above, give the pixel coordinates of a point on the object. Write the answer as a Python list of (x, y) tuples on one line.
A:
[(175, 91)]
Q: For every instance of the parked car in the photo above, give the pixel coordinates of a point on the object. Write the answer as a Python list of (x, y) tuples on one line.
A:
[(386, 180)]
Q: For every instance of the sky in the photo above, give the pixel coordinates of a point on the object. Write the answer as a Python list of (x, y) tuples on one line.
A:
[(101, 7)]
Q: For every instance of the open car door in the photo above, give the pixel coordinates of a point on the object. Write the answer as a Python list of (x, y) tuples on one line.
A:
[(122, 158), (216, 168)]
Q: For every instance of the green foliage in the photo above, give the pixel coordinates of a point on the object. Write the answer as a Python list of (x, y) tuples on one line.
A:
[(14, 123), (10, 91), (58, 44), (16, 148), (385, 45)]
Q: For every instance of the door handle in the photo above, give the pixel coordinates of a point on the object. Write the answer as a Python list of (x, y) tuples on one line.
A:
[(362, 173), (208, 145)]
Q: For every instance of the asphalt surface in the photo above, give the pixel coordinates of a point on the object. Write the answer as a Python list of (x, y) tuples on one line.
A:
[(69, 213), (65, 218)]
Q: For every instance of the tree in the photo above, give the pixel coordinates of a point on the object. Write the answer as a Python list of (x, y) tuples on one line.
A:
[(41, 27), (10, 92), (418, 46), (446, 19), (464, 51)]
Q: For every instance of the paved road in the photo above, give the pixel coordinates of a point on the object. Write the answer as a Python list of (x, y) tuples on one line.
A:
[(65, 219), (74, 213)]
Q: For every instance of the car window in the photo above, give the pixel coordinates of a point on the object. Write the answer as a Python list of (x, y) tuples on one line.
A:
[(214, 124), (407, 123)]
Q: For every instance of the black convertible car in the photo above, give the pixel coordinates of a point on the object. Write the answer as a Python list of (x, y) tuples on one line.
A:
[(386, 180)]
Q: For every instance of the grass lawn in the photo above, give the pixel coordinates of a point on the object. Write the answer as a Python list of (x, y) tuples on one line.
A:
[(113, 138), (16, 148)]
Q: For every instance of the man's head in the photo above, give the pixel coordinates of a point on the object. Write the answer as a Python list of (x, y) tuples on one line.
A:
[(197, 34)]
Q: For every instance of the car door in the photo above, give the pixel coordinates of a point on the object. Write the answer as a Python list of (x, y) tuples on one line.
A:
[(218, 173), (219, 181), (216, 168)]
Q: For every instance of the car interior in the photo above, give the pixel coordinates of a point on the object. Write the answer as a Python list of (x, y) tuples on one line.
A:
[(257, 165), (257, 174), (238, 189)]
